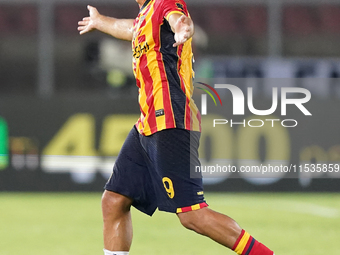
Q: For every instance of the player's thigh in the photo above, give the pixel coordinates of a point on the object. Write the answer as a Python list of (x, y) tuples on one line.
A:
[(131, 177)]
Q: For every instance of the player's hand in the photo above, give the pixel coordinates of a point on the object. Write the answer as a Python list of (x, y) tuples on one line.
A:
[(89, 24), (184, 30)]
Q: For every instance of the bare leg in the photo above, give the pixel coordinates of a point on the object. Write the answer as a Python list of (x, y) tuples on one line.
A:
[(117, 221), (217, 226)]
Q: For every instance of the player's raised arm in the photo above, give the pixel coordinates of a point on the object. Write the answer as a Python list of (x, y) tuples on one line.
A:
[(118, 28), (182, 26)]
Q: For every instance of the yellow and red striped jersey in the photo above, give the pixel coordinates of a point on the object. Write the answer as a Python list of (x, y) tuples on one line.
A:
[(164, 73)]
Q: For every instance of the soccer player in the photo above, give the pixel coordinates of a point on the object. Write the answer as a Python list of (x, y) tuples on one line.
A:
[(153, 167)]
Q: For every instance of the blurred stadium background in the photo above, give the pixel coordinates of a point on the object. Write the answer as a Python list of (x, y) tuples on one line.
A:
[(68, 101)]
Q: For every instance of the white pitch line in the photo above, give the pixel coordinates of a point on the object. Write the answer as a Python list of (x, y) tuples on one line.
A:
[(311, 209)]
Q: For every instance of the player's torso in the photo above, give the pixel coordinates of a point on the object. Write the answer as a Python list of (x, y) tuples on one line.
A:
[(152, 38), (164, 73)]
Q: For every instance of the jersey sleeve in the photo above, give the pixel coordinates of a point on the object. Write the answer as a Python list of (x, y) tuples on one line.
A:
[(174, 6)]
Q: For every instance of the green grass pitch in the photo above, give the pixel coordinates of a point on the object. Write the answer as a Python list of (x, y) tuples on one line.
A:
[(70, 223)]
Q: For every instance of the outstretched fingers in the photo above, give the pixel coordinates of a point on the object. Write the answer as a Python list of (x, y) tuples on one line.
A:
[(83, 26), (87, 23), (83, 22)]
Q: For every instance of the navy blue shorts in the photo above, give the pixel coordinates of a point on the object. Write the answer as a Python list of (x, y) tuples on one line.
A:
[(155, 171)]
